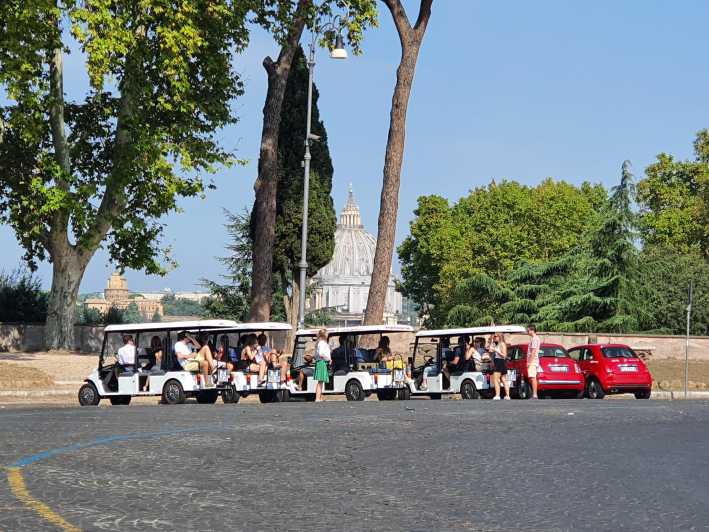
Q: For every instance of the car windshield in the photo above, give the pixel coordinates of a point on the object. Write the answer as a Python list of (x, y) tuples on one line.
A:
[(553, 352), (618, 352)]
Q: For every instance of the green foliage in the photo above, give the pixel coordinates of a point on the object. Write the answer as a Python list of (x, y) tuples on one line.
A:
[(318, 318), (277, 16), (157, 318), (173, 306), (114, 316), (230, 300), (483, 236), (674, 201), (161, 84), (22, 298), (88, 316), (663, 284)]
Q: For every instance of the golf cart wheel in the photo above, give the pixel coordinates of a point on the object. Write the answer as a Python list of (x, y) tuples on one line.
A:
[(594, 390), (266, 396), (281, 396), (643, 394), (120, 400), (403, 394), (173, 393), (524, 390), (88, 395), (468, 390), (386, 395), (354, 391), (435, 396), (230, 395), (207, 397)]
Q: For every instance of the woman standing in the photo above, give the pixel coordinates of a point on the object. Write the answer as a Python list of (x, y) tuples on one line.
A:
[(499, 353), (322, 360)]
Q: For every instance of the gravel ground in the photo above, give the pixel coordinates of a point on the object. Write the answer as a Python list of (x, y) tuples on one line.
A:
[(417, 465)]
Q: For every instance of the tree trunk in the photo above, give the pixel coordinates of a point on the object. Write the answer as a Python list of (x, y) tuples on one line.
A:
[(411, 39), (68, 266), (264, 214)]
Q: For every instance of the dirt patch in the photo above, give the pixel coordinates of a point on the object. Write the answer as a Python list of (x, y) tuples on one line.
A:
[(21, 377), (668, 374)]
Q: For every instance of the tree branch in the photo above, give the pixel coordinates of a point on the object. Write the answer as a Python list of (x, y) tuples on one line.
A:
[(401, 21), (56, 113), (424, 16)]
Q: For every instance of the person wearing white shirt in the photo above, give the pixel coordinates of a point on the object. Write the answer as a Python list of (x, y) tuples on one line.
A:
[(193, 362), (126, 354), (322, 361)]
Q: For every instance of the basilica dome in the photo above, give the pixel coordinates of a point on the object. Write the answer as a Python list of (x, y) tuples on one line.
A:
[(354, 247), (342, 286)]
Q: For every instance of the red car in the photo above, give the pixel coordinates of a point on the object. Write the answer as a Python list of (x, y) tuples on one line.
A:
[(612, 368), (559, 374)]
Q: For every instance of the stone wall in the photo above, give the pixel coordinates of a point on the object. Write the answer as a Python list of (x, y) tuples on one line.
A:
[(29, 337)]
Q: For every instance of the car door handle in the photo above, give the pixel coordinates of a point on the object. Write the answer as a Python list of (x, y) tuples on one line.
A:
[(593, 361)]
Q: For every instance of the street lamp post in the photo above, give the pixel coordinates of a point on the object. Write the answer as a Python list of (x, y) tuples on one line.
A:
[(338, 52)]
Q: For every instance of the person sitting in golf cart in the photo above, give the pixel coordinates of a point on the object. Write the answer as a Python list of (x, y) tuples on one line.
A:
[(256, 360), (339, 355), (305, 371), (383, 353), (276, 361), (199, 361)]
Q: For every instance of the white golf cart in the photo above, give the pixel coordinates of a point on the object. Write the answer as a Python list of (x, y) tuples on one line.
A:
[(169, 380), (354, 371), (436, 350), (244, 381)]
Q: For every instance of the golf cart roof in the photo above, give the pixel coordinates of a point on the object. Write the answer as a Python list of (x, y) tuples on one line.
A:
[(358, 329), (172, 326), (255, 326), (472, 331)]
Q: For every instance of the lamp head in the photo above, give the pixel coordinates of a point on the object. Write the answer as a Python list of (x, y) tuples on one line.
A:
[(339, 52)]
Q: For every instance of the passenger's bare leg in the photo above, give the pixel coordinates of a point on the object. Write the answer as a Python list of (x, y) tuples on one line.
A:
[(496, 382), (206, 354), (262, 371)]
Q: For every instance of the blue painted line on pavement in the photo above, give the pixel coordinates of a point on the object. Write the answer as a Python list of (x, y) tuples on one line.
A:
[(31, 459)]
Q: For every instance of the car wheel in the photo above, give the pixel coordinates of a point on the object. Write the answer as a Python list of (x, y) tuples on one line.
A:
[(435, 396), (230, 395), (524, 390), (266, 396), (644, 394), (404, 394), (120, 400), (594, 390), (354, 391), (468, 390), (207, 397), (173, 393), (88, 395)]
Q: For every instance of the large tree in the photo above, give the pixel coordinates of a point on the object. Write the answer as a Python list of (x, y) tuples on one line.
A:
[(674, 201), (289, 212), (410, 38), (488, 232), (287, 19), (103, 169)]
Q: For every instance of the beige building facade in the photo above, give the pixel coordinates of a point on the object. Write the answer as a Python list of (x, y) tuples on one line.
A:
[(118, 296)]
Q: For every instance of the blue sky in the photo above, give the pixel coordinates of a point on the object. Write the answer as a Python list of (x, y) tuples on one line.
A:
[(505, 89)]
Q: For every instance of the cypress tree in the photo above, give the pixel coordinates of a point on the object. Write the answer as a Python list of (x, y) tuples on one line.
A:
[(289, 200)]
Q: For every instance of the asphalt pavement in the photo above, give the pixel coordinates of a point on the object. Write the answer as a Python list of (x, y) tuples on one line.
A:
[(416, 465)]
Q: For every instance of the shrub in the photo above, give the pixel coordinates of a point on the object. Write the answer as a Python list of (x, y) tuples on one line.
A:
[(22, 298)]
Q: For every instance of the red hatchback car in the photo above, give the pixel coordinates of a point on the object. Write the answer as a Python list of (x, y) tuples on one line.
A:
[(559, 374), (612, 368)]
